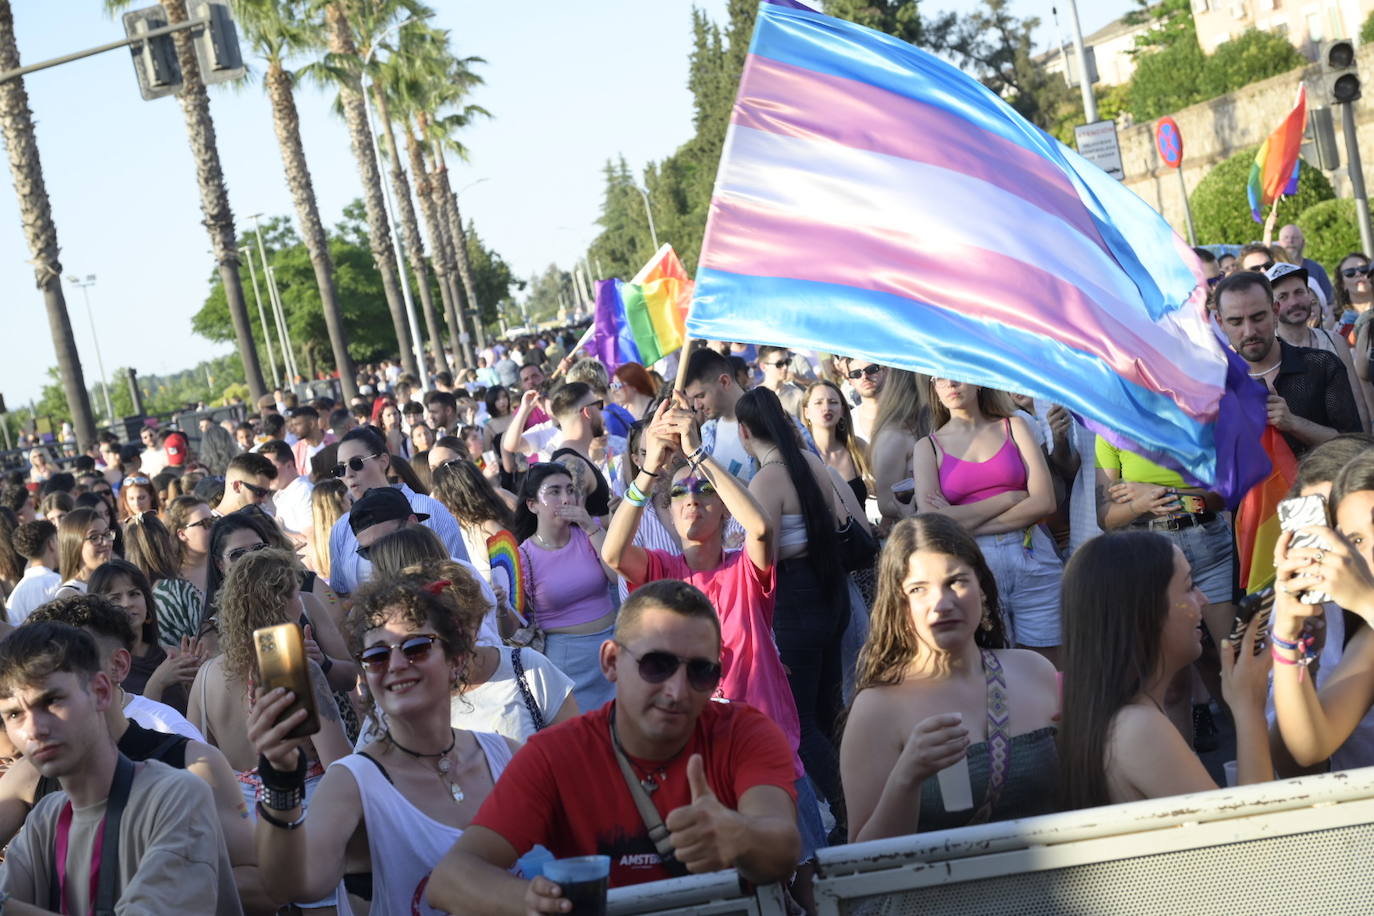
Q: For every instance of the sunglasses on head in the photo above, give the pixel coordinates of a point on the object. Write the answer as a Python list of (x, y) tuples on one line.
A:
[(376, 658), (657, 666), (354, 464), (869, 371), (1355, 271), (139, 481), (694, 485)]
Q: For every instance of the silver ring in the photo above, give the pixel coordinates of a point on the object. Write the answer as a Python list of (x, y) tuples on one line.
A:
[(1321, 556)]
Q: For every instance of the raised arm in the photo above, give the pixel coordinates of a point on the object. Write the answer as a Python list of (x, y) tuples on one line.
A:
[(744, 508), (307, 862), (513, 441), (618, 550)]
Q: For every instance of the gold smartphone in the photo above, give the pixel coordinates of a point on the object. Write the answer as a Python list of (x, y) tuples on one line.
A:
[(282, 663)]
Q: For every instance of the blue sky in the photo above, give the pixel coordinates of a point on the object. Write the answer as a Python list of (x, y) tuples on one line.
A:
[(570, 84)]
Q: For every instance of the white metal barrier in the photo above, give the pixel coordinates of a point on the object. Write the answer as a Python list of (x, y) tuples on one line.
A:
[(1294, 846)]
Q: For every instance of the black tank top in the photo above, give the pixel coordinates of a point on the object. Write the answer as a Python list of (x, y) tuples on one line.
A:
[(138, 744)]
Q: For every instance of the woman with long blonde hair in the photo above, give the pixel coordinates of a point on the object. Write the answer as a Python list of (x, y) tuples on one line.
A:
[(329, 502), (937, 684)]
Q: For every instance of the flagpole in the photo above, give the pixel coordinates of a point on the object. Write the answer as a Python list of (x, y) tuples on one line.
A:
[(1271, 220), (570, 357)]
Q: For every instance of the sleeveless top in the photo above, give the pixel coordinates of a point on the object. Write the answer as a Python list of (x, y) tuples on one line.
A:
[(792, 537), (405, 843), (1029, 790), (964, 482)]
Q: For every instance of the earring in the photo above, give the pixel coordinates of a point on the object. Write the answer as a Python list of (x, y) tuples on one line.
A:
[(986, 623)]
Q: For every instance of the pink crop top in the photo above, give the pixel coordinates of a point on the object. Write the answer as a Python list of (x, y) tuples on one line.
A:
[(965, 482)]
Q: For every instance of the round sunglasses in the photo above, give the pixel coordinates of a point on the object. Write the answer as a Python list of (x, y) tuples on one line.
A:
[(375, 658)]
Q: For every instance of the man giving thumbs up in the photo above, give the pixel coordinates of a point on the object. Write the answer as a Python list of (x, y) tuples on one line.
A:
[(718, 775)]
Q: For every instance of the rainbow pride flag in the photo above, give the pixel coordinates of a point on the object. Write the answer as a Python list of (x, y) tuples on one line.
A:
[(1257, 519), (644, 320), (1276, 165), (875, 201)]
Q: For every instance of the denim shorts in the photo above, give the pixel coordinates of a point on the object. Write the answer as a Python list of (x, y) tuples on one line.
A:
[(1210, 550), (1027, 584)]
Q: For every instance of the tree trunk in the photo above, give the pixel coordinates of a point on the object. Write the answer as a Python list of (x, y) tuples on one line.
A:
[(424, 190), (35, 212), (288, 127), (410, 235), (214, 196), (460, 245), (378, 227)]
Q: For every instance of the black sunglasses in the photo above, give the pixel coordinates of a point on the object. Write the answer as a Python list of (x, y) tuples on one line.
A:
[(259, 492), (354, 464), (415, 649), (1355, 271), (1213, 281), (657, 666), (780, 364), (599, 404), (234, 555), (1263, 268), (869, 371)]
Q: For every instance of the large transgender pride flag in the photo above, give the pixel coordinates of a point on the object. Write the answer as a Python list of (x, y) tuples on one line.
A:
[(875, 201)]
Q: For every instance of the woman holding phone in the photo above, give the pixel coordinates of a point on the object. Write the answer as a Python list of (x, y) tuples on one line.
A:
[(1315, 723), (394, 808)]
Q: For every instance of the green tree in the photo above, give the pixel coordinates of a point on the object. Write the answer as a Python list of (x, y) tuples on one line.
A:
[(362, 299), (491, 276), (1246, 59), (1221, 210), (1166, 80), (1367, 30), (1332, 232)]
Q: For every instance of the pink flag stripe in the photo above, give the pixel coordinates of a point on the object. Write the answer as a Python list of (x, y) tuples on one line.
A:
[(941, 210), (754, 239), (858, 115)]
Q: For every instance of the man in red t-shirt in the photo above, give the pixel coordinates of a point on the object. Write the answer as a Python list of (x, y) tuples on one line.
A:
[(720, 775)]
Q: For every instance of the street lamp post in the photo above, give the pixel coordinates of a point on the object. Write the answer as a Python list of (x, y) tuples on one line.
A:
[(411, 318), (262, 315), (85, 285), (649, 211)]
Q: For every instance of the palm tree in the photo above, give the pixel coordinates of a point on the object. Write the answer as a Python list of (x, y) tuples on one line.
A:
[(214, 195), (390, 80), (275, 30), (343, 67), (35, 212)]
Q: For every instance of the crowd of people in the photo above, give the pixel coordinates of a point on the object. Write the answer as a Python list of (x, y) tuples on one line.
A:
[(764, 598)]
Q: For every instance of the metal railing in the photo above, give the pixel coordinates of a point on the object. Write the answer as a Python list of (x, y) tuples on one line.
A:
[(1291, 846)]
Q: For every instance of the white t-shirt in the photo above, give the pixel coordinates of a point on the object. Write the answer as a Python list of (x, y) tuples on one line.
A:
[(159, 717), (729, 451), (154, 461), (37, 586), (293, 506)]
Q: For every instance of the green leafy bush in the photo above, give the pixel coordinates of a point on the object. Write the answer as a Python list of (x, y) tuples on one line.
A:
[(1332, 232), (1367, 30), (1221, 210)]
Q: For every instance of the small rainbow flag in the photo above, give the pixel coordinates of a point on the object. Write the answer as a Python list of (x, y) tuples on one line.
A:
[(643, 320), (1275, 170), (1257, 519), (504, 553)]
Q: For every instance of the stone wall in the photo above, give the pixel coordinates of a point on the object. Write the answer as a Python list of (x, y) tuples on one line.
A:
[(1216, 129)]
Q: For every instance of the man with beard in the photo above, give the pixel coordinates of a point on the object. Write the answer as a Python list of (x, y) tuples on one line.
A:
[(867, 378), (1310, 399), (1295, 305), (576, 410)]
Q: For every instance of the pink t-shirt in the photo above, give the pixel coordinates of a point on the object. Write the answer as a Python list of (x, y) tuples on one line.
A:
[(566, 587), (742, 595)]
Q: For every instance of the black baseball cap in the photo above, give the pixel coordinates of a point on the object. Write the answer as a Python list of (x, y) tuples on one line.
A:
[(381, 504)]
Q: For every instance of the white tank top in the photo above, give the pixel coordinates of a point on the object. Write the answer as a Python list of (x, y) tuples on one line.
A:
[(405, 843)]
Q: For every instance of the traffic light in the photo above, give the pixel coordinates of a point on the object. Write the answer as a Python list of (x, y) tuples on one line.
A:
[(1340, 81), (217, 45), (155, 59)]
